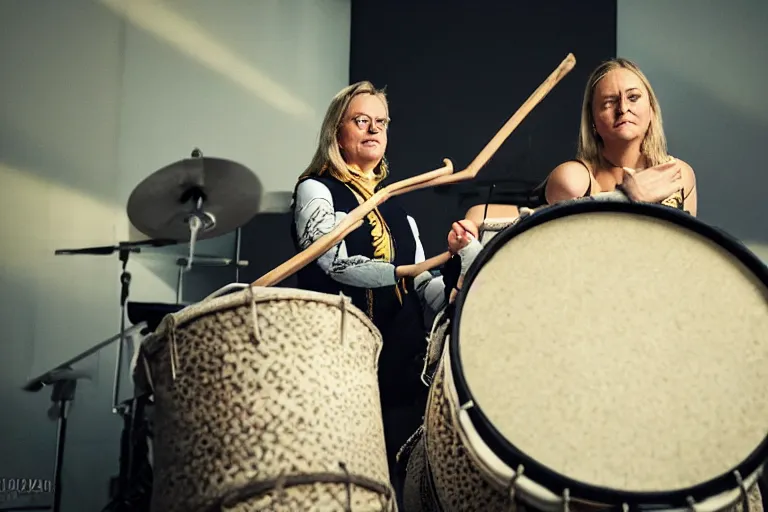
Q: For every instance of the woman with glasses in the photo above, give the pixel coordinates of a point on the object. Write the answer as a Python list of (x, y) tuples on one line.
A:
[(347, 168)]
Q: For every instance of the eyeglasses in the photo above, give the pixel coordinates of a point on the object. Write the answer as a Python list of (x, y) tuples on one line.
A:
[(364, 122)]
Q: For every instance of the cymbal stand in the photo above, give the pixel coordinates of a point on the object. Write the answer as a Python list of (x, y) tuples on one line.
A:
[(238, 238), (129, 492), (180, 283), (199, 220), (125, 283), (206, 262)]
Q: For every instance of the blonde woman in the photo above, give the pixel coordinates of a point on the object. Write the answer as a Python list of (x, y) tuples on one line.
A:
[(622, 145), (348, 166)]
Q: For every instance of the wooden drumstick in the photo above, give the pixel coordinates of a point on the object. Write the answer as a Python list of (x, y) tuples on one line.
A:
[(433, 262), (350, 222), (437, 177), (417, 268), (495, 143)]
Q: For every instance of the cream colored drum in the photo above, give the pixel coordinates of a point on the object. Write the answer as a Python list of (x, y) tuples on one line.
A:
[(602, 355), (267, 399)]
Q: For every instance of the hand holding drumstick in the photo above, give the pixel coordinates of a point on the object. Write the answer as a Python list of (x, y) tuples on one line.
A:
[(461, 234)]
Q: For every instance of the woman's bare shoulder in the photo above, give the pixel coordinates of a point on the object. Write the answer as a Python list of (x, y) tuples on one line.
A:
[(568, 180)]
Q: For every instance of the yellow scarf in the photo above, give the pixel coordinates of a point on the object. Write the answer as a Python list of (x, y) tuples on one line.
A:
[(383, 246)]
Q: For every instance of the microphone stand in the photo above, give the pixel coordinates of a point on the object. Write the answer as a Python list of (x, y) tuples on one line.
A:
[(62, 394), (64, 381)]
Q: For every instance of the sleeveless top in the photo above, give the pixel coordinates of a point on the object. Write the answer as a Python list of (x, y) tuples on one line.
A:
[(538, 195)]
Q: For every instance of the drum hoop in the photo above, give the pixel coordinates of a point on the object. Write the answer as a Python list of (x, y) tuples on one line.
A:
[(255, 295), (543, 475)]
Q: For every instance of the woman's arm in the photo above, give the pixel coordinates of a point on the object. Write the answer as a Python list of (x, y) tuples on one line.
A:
[(315, 216), (432, 289), (567, 181), (429, 287), (690, 197)]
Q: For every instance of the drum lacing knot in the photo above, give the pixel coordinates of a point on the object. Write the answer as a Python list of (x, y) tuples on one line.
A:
[(743, 489), (147, 369), (343, 307), (427, 380), (174, 353), (511, 491), (283, 481), (255, 334), (280, 487), (346, 473)]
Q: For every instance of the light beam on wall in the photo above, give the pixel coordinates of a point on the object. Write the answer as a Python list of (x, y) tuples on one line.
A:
[(45, 213), (188, 37)]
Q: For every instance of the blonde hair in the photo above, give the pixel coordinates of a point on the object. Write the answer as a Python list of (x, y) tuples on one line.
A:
[(328, 157), (654, 145)]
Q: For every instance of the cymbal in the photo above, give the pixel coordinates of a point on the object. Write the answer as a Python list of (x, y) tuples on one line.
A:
[(223, 194)]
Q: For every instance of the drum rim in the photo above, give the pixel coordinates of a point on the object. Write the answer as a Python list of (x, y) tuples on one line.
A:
[(194, 311), (543, 475)]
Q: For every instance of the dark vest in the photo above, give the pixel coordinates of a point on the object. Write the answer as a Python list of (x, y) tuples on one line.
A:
[(395, 310)]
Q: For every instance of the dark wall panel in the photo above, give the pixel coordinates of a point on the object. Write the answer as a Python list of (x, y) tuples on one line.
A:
[(455, 71)]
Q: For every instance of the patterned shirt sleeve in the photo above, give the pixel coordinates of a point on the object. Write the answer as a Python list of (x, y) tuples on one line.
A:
[(315, 216)]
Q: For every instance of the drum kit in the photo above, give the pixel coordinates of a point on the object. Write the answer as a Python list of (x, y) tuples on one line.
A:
[(601, 355)]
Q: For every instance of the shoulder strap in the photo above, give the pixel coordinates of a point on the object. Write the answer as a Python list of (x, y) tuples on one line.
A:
[(589, 175)]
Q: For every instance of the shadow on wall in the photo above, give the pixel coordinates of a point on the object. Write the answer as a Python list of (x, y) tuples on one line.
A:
[(28, 430), (263, 109), (721, 144), (262, 113), (246, 97), (58, 141), (706, 62)]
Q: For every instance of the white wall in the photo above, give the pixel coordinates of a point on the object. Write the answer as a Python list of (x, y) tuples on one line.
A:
[(706, 60), (97, 95)]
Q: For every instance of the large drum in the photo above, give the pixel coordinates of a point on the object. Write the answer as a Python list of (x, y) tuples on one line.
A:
[(602, 355), (267, 399)]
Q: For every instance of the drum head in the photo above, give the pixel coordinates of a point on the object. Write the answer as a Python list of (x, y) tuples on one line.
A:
[(618, 350)]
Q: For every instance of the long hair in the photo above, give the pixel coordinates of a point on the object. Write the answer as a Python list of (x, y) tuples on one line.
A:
[(327, 157), (654, 145)]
